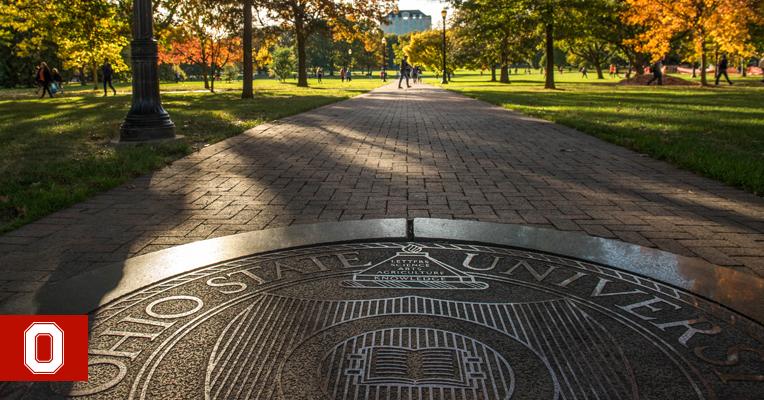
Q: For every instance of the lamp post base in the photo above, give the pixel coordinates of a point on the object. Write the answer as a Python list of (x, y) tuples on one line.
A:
[(142, 127)]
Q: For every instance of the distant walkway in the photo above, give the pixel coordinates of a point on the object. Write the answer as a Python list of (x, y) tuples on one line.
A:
[(422, 152)]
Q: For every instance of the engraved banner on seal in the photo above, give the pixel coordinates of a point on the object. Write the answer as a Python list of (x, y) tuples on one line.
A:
[(413, 269)]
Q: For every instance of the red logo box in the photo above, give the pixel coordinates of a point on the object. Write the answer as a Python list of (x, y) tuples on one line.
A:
[(44, 347)]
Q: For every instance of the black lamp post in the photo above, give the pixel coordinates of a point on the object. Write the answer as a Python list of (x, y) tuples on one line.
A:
[(147, 119), (384, 59), (443, 13)]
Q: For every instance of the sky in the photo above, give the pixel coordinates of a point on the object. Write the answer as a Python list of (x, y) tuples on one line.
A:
[(429, 7)]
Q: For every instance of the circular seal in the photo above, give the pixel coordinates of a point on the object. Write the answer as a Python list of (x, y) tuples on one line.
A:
[(424, 320)]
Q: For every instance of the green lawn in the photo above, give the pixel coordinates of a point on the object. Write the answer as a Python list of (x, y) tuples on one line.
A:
[(57, 152), (715, 131)]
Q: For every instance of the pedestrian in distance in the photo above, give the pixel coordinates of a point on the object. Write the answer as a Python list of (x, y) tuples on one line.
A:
[(419, 73), (107, 73), (45, 77), (58, 81), (584, 73), (721, 69), (613, 71), (348, 75), (342, 74), (320, 74), (37, 81), (657, 70), (414, 74), (404, 73)]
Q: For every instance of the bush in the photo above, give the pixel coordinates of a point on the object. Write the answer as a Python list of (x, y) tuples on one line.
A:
[(231, 73), (283, 63)]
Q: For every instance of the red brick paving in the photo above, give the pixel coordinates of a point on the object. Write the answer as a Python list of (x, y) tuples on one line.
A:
[(422, 152)]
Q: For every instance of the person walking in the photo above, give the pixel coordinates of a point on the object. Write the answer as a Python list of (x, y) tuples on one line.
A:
[(37, 81), (342, 74), (348, 75), (58, 81), (414, 74), (320, 74), (584, 72), (45, 77), (404, 72), (613, 71), (107, 72), (721, 69), (657, 69)]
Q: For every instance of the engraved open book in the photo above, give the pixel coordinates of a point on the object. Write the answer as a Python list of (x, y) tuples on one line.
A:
[(416, 367)]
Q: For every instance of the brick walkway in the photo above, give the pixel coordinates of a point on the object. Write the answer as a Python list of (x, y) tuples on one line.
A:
[(423, 152)]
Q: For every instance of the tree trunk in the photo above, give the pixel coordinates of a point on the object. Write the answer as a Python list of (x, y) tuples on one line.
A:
[(598, 67), (212, 78), (639, 64), (95, 76), (549, 28), (302, 72), (504, 73), (694, 75), (83, 80), (493, 72), (743, 67), (703, 65), (246, 92)]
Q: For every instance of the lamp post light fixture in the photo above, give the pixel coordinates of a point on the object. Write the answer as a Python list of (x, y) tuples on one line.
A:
[(384, 59), (147, 119), (444, 13)]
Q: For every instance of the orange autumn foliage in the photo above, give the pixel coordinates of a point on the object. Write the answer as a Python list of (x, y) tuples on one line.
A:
[(190, 50), (723, 24)]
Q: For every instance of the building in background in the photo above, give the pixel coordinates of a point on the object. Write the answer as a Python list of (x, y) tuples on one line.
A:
[(406, 21)]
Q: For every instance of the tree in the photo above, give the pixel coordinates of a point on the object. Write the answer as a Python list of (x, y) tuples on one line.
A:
[(321, 49), (426, 48), (592, 40), (723, 24), (589, 50), (391, 39), (205, 35), (82, 33), (302, 17), (93, 34), (495, 32), (397, 48), (23, 40), (550, 19), (283, 63)]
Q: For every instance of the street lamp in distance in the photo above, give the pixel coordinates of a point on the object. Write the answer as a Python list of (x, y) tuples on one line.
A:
[(350, 63), (444, 13), (384, 59)]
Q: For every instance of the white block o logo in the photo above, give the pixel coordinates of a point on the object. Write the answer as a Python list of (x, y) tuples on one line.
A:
[(31, 336)]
